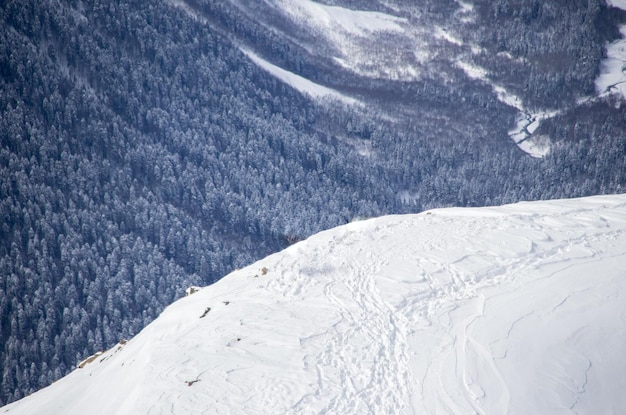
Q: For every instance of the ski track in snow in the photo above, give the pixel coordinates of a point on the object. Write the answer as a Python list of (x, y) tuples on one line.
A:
[(515, 309)]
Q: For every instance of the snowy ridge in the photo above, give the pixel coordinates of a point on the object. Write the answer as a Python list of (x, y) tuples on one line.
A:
[(516, 309)]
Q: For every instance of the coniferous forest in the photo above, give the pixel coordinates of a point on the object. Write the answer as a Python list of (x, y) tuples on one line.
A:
[(142, 151)]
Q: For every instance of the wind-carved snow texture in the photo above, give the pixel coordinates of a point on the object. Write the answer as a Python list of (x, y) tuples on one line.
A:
[(612, 78), (507, 310)]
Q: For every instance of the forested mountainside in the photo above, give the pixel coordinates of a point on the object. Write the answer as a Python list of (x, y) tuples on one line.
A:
[(149, 145)]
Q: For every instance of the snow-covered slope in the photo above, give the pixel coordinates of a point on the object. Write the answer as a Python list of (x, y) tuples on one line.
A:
[(518, 309), (612, 76), (352, 36), (298, 82)]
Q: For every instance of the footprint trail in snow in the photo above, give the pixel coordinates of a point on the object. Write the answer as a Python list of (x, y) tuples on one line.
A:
[(516, 309)]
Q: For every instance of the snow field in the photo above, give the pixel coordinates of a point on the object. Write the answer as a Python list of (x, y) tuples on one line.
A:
[(516, 309), (298, 82), (612, 76), (339, 19), (368, 43)]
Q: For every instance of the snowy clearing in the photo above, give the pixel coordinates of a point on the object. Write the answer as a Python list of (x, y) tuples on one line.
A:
[(527, 122), (517, 309), (183, 5), (620, 4), (329, 19), (442, 33), (465, 12), (368, 43), (612, 76), (298, 82)]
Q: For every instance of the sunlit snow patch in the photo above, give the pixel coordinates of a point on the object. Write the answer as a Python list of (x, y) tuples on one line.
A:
[(298, 82), (516, 309), (478, 73), (191, 12), (466, 12), (612, 76), (442, 33), (523, 134), (334, 20), (407, 197), (620, 4), (473, 71), (368, 43)]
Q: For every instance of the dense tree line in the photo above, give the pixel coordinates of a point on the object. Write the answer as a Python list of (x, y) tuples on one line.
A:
[(556, 54), (141, 152)]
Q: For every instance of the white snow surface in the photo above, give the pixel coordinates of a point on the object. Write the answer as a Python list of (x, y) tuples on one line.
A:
[(612, 78), (339, 19), (368, 43), (298, 82), (524, 136), (519, 309), (620, 4)]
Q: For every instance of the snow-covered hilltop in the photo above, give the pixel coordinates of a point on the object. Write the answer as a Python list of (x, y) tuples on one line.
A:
[(517, 309)]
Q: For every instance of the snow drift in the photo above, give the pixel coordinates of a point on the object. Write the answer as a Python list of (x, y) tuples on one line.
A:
[(516, 309)]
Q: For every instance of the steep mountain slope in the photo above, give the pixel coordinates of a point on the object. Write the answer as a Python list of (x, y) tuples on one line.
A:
[(508, 310), (443, 60), (149, 145)]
